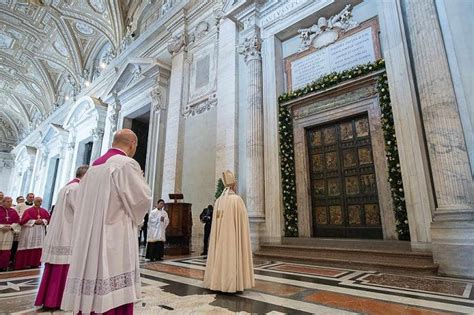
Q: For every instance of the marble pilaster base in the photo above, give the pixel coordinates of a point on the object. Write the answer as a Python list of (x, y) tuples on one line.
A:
[(256, 230), (453, 247)]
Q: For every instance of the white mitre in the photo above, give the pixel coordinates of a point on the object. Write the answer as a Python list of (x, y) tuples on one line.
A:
[(228, 178)]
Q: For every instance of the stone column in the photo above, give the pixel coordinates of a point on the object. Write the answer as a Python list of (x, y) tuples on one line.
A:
[(227, 110), (414, 163), (97, 137), (251, 49), (173, 158), (159, 104), (453, 228), (273, 86)]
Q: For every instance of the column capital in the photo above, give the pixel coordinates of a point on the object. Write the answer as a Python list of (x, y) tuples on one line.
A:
[(178, 43), (97, 133), (251, 48)]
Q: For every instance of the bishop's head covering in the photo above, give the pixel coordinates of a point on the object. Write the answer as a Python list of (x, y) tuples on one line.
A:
[(228, 178)]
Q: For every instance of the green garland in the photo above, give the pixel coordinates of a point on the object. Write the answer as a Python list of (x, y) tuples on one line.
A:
[(287, 163), (393, 160), (219, 188)]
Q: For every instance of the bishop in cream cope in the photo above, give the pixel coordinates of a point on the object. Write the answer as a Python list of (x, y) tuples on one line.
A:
[(229, 265)]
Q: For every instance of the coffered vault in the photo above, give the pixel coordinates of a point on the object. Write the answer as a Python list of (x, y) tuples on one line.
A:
[(51, 49)]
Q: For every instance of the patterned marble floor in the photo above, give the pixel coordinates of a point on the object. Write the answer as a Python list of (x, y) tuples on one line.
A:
[(174, 286)]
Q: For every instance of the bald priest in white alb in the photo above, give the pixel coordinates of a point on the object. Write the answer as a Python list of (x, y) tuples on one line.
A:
[(229, 266), (104, 273)]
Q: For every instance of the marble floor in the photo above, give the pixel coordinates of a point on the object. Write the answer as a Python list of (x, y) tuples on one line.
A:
[(174, 286)]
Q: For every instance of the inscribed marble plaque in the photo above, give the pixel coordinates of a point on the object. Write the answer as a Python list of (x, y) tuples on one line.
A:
[(202, 71), (349, 52)]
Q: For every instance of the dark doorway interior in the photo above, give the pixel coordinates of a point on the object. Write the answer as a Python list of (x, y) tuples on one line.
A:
[(51, 183), (87, 152), (140, 126)]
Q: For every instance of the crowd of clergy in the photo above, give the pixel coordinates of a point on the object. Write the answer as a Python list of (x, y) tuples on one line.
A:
[(88, 246), (22, 231)]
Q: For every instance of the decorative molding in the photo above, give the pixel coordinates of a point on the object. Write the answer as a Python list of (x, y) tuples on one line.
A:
[(326, 31), (178, 43), (157, 99), (97, 134), (200, 107), (201, 30), (115, 109), (166, 6)]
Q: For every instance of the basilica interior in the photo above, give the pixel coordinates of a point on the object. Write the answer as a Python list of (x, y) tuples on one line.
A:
[(349, 125)]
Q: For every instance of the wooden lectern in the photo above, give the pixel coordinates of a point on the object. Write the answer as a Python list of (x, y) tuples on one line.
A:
[(178, 232)]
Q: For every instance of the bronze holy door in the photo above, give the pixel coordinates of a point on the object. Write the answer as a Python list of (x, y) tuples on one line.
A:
[(343, 186)]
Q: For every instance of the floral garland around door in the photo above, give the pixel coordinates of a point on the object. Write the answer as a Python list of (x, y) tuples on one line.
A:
[(287, 161)]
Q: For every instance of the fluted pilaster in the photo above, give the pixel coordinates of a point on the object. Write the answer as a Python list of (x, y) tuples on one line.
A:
[(452, 230), (251, 49)]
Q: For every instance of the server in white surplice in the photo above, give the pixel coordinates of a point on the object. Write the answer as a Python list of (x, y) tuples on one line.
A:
[(157, 222)]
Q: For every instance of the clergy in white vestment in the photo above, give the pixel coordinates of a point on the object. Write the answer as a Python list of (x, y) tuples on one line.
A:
[(57, 246), (9, 226), (110, 203), (157, 222), (33, 230), (229, 266)]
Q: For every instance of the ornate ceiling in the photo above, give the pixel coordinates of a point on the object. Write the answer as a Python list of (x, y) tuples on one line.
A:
[(49, 50)]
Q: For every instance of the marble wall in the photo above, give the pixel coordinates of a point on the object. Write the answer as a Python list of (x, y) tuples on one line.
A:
[(199, 168)]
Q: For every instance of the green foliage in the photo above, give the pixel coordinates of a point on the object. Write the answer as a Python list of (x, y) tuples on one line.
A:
[(287, 167), (219, 188), (287, 162), (393, 160)]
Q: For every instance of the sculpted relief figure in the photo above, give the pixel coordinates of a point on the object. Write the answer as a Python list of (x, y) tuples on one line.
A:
[(327, 29)]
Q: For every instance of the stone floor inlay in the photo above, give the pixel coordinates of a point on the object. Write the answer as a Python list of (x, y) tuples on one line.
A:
[(174, 286)]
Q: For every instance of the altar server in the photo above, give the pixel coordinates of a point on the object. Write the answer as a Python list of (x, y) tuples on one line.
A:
[(33, 230), (229, 265), (110, 203), (57, 246), (157, 222)]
